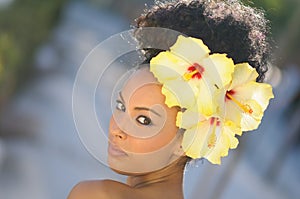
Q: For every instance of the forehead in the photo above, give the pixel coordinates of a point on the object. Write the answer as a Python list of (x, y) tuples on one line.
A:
[(141, 77), (141, 86)]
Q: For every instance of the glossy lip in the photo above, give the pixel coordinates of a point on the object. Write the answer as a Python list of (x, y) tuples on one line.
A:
[(115, 151)]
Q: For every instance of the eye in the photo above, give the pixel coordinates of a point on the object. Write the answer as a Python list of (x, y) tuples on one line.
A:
[(143, 120), (120, 106)]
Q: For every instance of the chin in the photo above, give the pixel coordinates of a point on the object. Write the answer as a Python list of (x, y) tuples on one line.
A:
[(134, 166)]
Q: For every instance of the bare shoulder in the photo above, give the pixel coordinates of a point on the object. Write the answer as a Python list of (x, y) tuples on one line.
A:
[(101, 189)]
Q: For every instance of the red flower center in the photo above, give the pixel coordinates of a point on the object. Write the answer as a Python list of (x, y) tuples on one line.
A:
[(214, 121), (195, 71)]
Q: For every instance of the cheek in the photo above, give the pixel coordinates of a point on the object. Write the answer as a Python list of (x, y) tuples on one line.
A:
[(162, 139), (112, 125), (146, 145)]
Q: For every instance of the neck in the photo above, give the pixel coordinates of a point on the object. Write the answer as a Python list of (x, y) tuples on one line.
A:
[(172, 174)]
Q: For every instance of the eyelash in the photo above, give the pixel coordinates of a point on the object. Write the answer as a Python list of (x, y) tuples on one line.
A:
[(120, 106), (143, 120), (146, 120)]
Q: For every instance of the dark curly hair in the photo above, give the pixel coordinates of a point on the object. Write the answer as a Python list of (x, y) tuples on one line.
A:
[(225, 26)]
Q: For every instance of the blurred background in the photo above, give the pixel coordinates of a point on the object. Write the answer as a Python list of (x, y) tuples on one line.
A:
[(42, 45)]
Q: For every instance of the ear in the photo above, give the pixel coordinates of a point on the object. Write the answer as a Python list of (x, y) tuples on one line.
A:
[(178, 151)]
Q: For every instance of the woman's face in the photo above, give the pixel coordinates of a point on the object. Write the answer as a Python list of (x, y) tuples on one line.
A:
[(143, 135)]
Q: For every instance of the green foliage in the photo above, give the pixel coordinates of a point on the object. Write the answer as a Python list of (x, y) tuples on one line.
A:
[(23, 26), (9, 59), (285, 27), (277, 11)]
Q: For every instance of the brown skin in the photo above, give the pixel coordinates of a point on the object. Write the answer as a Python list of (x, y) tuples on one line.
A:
[(165, 183), (162, 175)]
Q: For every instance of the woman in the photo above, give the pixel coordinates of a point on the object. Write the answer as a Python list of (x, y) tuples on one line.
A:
[(164, 119)]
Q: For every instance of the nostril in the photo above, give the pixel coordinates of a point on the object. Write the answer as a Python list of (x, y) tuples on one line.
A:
[(120, 136)]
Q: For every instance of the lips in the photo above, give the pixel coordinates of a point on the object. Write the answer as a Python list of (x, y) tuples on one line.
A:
[(115, 151)]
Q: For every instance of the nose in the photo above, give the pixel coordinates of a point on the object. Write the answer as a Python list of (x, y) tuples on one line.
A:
[(120, 135), (115, 131)]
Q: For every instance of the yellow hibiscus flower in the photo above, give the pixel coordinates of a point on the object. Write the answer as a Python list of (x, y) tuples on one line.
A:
[(220, 99), (209, 138), (246, 99), (188, 67)]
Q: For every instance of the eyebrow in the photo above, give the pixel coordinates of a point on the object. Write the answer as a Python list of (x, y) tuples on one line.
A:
[(147, 109), (120, 94), (141, 108)]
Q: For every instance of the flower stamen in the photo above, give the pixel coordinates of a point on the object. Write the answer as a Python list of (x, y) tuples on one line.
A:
[(245, 107), (213, 138), (188, 75), (194, 71)]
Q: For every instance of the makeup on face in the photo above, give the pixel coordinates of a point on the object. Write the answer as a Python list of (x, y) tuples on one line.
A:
[(142, 128)]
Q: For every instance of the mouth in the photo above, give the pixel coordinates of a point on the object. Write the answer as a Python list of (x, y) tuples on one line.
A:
[(114, 150)]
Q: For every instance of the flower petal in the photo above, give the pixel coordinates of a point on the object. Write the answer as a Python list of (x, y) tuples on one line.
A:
[(190, 49), (251, 121), (166, 66), (243, 73), (218, 69), (189, 119), (233, 112), (234, 129), (209, 138), (194, 139), (226, 141), (179, 93), (260, 92), (207, 100)]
